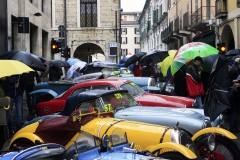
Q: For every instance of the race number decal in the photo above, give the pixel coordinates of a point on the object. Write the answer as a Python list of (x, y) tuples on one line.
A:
[(131, 83), (107, 107), (118, 95)]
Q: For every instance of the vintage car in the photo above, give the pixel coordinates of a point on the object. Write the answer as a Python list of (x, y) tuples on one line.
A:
[(87, 147), (48, 101), (65, 130), (192, 122)]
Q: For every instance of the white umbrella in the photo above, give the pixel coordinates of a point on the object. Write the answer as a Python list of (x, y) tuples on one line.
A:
[(74, 67)]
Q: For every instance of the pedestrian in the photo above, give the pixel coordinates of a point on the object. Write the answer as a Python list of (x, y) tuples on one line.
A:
[(4, 103), (194, 80), (29, 84), (14, 88), (76, 73), (179, 81), (137, 70), (234, 95), (55, 73), (148, 71)]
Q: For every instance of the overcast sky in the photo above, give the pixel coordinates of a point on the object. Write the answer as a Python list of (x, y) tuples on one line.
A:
[(132, 5)]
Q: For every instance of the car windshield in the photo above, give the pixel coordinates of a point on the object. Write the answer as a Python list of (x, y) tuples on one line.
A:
[(133, 89), (108, 102), (60, 95)]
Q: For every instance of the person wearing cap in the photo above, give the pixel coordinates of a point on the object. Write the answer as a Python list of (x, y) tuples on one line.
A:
[(194, 83)]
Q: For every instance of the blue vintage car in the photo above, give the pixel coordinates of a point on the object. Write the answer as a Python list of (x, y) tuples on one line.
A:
[(191, 120)]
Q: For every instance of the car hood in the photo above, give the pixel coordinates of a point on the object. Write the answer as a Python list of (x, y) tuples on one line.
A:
[(161, 112), (189, 119), (149, 99)]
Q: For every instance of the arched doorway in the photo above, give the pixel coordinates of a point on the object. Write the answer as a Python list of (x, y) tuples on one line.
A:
[(228, 38), (89, 49)]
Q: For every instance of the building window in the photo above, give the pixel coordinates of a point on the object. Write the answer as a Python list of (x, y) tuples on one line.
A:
[(137, 40), (124, 30), (137, 50), (137, 30), (135, 17), (125, 18), (124, 40), (124, 52), (88, 13), (31, 1), (42, 5)]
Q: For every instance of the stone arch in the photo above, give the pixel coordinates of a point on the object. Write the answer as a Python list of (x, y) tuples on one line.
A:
[(87, 49), (228, 37)]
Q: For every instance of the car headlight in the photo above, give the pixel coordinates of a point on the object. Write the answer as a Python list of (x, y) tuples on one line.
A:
[(206, 124), (211, 143)]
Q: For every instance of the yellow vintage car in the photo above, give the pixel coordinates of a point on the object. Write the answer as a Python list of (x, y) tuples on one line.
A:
[(167, 142), (163, 141)]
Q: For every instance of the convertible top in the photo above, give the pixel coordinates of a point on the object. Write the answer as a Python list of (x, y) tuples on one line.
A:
[(73, 101)]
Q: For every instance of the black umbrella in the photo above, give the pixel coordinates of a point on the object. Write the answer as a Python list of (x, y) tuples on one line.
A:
[(156, 56), (216, 97), (58, 63), (233, 52), (27, 58), (134, 58), (208, 62)]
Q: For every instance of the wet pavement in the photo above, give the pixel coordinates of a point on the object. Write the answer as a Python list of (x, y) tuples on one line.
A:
[(226, 125)]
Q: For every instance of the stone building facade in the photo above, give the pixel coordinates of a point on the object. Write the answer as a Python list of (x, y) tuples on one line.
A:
[(36, 36), (89, 26)]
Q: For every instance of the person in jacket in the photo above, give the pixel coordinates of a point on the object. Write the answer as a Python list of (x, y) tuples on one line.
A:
[(234, 99), (4, 102), (137, 70), (29, 84), (55, 73), (148, 71), (194, 80), (14, 88)]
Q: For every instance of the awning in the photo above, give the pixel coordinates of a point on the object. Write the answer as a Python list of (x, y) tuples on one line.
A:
[(206, 38)]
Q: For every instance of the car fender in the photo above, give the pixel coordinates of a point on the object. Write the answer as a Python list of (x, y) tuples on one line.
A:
[(30, 136), (214, 130), (46, 91), (175, 146)]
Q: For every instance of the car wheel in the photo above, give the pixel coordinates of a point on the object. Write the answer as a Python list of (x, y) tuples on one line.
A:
[(225, 149), (22, 143), (173, 156)]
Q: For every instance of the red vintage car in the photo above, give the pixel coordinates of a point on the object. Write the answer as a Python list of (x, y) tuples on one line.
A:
[(144, 98)]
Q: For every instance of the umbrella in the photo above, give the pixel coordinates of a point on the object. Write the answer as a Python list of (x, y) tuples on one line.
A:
[(176, 65), (233, 52), (208, 62), (72, 61), (216, 97), (200, 50), (41, 58), (134, 58), (12, 67), (27, 58), (59, 63), (156, 56), (74, 67), (189, 45), (165, 64)]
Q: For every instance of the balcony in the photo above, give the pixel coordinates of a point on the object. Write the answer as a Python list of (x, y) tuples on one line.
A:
[(238, 3), (167, 35), (221, 10), (200, 18), (179, 31)]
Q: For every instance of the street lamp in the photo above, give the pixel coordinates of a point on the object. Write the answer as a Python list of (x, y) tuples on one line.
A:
[(119, 10)]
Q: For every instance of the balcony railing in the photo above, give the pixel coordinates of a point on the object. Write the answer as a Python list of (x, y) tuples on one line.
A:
[(170, 27), (186, 21), (176, 24), (221, 8), (181, 23), (238, 3), (202, 14), (164, 33)]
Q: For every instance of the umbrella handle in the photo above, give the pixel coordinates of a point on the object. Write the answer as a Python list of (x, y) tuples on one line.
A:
[(6, 107)]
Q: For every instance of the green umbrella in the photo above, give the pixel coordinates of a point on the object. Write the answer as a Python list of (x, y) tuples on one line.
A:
[(200, 50), (177, 65)]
